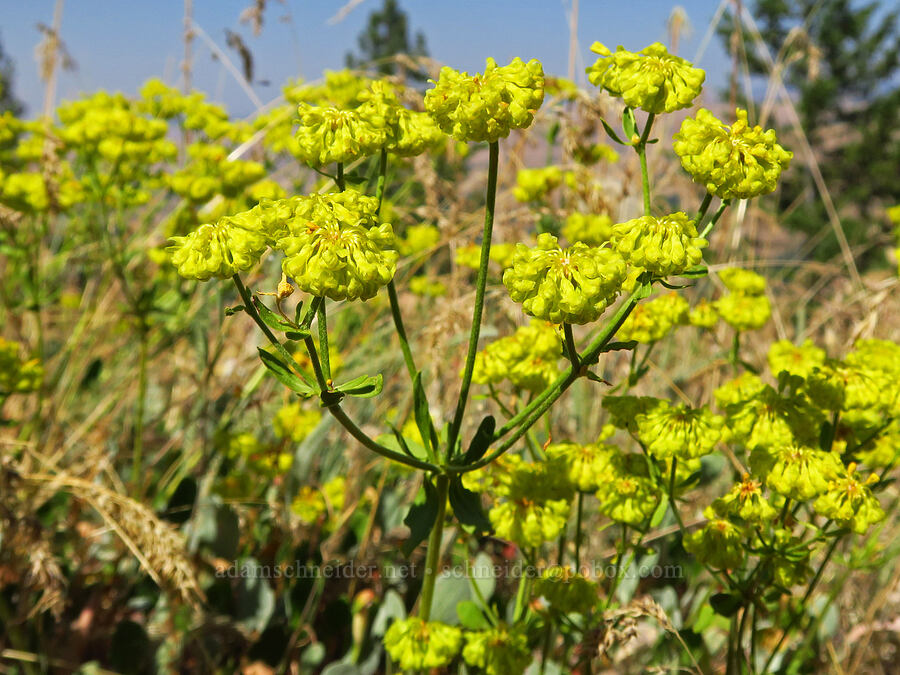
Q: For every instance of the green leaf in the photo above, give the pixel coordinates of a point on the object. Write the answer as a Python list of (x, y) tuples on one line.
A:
[(297, 310), (612, 134), (231, 311), (725, 604), (270, 318), (695, 271), (296, 336), (285, 375), (593, 377), (660, 512), (467, 506), (483, 575), (481, 441), (629, 126), (693, 479), (644, 290), (704, 620), (130, 649), (423, 415), (619, 346), (364, 386), (402, 444), (450, 589), (421, 518), (471, 616), (254, 598)]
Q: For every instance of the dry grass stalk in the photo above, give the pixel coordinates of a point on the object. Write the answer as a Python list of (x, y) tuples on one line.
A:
[(158, 547)]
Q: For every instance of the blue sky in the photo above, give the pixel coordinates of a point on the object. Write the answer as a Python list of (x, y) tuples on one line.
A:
[(118, 44)]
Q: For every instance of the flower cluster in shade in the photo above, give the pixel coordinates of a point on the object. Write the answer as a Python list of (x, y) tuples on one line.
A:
[(528, 359), (418, 645), (746, 306), (653, 320), (533, 185), (592, 229), (733, 162), (18, 375)]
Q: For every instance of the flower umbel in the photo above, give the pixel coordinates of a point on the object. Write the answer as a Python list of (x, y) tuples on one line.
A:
[(486, 107), (342, 252), (736, 162), (664, 246), (573, 285), (652, 79), (418, 645)]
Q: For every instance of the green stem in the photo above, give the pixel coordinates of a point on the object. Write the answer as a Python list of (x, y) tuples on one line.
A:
[(401, 331), (323, 341), (433, 557), (736, 349), (339, 178), (803, 603), (715, 219), (523, 421), (335, 409), (338, 413), (138, 430), (740, 657), (321, 380), (619, 567), (704, 207), (392, 289), (729, 658), (641, 149), (382, 178), (571, 350), (250, 308), (480, 285), (578, 518), (681, 528), (524, 583)]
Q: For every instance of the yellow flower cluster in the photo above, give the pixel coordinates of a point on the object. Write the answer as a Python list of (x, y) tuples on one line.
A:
[(746, 307), (592, 229), (16, 375), (419, 645), (679, 431), (231, 245), (502, 650), (736, 162), (533, 185), (703, 315), (652, 79), (500, 253), (586, 466), (652, 321), (528, 358), (535, 504), (566, 591), (663, 246), (409, 133), (486, 107), (573, 285), (294, 422), (338, 249), (336, 135)]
